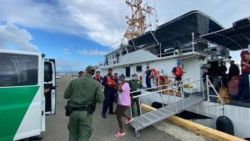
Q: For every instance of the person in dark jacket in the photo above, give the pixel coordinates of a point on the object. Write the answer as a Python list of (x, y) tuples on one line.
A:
[(148, 79), (110, 86), (233, 70), (222, 73), (222, 69)]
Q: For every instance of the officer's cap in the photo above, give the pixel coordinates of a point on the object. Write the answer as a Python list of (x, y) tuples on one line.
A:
[(90, 68)]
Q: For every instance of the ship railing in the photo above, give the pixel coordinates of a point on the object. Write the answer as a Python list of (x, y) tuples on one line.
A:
[(211, 86), (171, 84), (178, 94), (183, 48)]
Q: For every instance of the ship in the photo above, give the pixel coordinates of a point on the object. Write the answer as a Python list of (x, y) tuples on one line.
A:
[(197, 41)]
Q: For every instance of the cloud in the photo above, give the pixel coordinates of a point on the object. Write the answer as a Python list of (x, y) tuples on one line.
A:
[(92, 52), (104, 21), (100, 21), (66, 51), (11, 36)]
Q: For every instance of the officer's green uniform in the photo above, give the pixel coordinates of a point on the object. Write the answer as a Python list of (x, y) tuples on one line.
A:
[(81, 92)]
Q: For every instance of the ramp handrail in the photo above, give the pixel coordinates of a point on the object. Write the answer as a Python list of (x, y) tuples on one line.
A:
[(210, 84), (180, 87), (159, 86)]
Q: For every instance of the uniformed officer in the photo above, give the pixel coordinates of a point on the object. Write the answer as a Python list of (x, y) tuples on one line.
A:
[(83, 93)]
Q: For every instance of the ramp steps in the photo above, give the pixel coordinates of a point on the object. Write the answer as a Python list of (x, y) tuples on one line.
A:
[(149, 118)]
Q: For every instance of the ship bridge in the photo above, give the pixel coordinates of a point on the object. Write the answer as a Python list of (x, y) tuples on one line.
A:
[(178, 36)]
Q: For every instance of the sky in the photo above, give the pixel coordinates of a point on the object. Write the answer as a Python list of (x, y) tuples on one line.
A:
[(78, 33)]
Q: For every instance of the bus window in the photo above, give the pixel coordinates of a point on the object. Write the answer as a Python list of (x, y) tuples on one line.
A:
[(17, 70), (48, 72)]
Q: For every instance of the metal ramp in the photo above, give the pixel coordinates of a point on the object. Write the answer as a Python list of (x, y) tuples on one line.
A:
[(152, 117)]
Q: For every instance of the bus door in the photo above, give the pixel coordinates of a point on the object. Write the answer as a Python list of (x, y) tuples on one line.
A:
[(50, 86)]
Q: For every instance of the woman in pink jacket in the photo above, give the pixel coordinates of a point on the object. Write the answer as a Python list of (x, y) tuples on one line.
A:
[(124, 102)]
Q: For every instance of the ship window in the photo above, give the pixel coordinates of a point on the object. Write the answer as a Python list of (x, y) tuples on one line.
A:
[(127, 71), (17, 70), (138, 68)]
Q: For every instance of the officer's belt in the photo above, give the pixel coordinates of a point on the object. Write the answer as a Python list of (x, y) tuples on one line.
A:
[(80, 108)]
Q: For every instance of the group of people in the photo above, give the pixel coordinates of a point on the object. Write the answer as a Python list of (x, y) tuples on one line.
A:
[(84, 92), (154, 75), (238, 85)]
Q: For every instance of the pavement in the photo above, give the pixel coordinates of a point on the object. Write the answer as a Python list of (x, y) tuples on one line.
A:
[(103, 129)]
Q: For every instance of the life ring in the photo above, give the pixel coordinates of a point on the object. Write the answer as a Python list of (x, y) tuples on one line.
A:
[(225, 125)]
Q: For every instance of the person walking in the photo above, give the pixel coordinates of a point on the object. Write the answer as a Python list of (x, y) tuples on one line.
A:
[(135, 105), (124, 102), (110, 85), (82, 94)]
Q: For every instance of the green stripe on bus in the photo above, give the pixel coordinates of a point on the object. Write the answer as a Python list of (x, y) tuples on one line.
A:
[(14, 103)]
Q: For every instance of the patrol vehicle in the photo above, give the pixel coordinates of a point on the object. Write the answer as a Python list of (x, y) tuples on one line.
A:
[(27, 93)]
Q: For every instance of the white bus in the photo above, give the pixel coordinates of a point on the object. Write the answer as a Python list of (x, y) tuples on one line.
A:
[(27, 93)]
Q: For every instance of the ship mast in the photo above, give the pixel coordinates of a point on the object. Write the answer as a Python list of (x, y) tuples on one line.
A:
[(137, 22)]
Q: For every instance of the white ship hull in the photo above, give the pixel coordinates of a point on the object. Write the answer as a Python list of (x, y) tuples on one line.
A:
[(192, 63)]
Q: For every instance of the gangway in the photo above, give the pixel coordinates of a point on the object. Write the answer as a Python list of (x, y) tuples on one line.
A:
[(149, 118)]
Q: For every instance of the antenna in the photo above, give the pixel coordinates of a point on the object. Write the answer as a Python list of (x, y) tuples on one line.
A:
[(137, 21)]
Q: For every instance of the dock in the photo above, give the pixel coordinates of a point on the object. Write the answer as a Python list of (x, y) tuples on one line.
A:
[(104, 129)]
